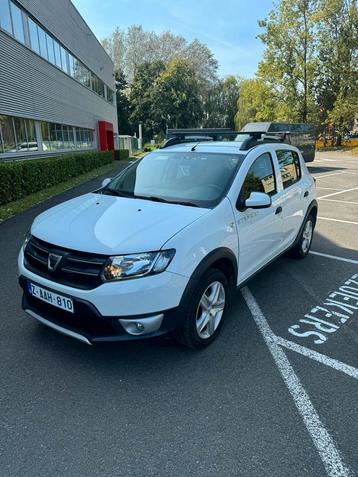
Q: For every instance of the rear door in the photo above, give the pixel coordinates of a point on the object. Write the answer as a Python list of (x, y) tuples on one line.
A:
[(294, 190)]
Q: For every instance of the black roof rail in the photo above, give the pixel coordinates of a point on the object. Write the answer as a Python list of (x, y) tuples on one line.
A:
[(200, 131), (261, 137), (251, 139)]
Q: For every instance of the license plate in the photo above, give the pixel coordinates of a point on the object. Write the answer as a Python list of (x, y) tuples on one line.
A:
[(50, 297)]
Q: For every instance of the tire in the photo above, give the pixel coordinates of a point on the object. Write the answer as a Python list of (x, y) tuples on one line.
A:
[(193, 332), (303, 245)]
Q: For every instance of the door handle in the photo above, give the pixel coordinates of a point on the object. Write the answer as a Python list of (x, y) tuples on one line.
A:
[(278, 210), (306, 194)]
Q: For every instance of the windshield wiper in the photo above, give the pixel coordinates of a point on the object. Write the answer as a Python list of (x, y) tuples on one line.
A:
[(109, 191), (155, 198)]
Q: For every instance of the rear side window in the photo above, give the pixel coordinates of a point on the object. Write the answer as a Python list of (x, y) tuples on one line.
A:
[(260, 178), (289, 166)]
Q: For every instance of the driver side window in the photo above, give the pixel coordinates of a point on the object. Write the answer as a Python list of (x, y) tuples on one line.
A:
[(260, 178)]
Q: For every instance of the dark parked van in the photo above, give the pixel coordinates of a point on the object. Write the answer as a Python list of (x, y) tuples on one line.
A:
[(301, 135)]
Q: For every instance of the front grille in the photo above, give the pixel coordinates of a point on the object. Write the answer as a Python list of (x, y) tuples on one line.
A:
[(76, 269)]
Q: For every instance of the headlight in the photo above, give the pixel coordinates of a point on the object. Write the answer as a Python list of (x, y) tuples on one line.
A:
[(27, 239), (137, 265)]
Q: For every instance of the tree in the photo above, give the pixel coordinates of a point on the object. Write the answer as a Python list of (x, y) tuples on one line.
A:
[(337, 74), (220, 103), (176, 100), (123, 104), (141, 95), (133, 47), (289, 60), (257, 102)]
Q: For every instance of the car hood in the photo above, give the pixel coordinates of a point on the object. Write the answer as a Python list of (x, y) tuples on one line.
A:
[(111, 225)]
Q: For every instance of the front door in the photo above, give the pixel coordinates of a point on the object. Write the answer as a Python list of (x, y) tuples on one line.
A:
[(259, 230)]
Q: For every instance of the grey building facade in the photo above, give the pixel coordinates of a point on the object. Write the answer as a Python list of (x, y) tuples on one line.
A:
[(56, 81)]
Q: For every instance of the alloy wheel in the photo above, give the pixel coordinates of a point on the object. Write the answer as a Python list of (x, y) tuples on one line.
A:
[(210, 310), (307, 236)]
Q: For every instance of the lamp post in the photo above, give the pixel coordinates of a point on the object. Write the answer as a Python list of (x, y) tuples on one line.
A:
[(140, 138)]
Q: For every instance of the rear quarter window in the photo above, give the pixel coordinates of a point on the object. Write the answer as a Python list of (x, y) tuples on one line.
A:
[(290, 167)]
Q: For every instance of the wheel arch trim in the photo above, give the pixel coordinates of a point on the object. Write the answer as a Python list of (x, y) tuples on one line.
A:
[(313, 205), (206, 263)]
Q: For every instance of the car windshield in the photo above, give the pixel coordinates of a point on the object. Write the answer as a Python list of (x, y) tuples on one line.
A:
[(192, 178)]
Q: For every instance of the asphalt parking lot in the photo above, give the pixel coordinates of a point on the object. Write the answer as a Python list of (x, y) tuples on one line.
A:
[(275, 395)]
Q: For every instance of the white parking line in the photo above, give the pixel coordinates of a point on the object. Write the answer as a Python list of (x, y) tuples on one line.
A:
[(321, 358), (327, 188), (334, 257), (339, 201), (340, 192), (338, 220), (329, 175), (324, 443)]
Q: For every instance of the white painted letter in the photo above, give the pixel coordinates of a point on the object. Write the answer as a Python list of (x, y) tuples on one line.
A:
[(305, 334)]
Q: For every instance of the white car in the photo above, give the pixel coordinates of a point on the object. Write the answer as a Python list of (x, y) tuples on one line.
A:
[(162, 247)]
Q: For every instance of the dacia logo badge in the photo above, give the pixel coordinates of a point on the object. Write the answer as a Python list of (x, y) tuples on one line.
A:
[(53, 261)]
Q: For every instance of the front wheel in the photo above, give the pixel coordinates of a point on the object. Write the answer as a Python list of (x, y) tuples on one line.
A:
[(301, 249), (205, 310)]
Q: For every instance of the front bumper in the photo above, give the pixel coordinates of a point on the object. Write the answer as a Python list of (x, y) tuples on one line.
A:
[(139, 296), (87, 324)]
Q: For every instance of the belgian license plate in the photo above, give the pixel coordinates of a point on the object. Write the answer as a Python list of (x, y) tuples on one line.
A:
[(50, 297)]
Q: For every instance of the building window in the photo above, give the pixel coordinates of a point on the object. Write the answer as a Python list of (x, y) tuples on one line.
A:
[(34, 37), (70, 65), (56, 136), (17, 23), (14, 20), (31, 135), (100, 90), (50, 49), (5, 18), (58, 60), (84, 138), (59, 136), (64, 56), (21, 138), (8, 134), (17, 135), (43, 44), (110, 95), (68, 137)]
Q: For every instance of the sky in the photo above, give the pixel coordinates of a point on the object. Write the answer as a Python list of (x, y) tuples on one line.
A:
[(229, 28)]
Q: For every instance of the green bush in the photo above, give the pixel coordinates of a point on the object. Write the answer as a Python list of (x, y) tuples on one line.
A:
[(121, 154), (21, 178)]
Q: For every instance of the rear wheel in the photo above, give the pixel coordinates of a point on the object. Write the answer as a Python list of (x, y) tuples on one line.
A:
[(205, 310), (301, 249)]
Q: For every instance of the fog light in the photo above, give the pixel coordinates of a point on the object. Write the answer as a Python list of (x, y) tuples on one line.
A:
[(147, 325)]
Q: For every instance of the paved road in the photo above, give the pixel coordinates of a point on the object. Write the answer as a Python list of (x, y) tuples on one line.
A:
[(242, 407)]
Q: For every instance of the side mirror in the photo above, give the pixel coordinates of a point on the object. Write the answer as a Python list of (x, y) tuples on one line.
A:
[(258, 200), (106, 182)]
